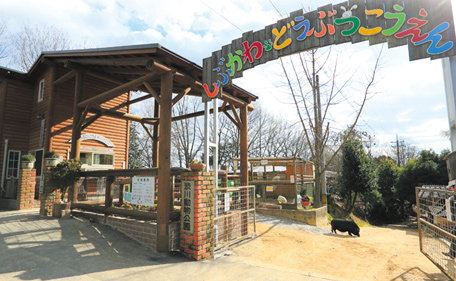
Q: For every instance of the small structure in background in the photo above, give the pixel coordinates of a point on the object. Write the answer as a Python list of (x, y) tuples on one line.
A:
[(281, 176)]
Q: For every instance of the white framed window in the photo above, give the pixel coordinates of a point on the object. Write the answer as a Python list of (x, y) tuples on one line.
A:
[(41, 90), (96, 160), (12, 170)]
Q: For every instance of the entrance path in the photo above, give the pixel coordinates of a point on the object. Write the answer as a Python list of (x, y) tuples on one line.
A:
[(33, 247)]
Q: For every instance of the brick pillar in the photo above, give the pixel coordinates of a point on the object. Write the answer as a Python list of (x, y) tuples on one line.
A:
[(197, 238), (48, 198), (26, 189)]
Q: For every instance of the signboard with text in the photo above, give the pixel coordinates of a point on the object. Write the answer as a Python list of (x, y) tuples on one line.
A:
[(426, 26), (143, 191), (187, 211)]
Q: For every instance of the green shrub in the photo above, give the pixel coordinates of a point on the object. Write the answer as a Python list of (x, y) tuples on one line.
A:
[(28, 157), (64, 175)]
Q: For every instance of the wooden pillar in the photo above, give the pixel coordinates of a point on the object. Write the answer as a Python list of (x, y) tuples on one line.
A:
[(50, 112), (76, 130), (164, 169), (109, 191), (156, 139), (244, 159)]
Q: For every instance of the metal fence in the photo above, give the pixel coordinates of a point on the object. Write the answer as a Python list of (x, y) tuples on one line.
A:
[(436, 226), (235, 217)]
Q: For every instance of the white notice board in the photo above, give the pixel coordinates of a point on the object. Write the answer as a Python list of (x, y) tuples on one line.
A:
[(143, 191)]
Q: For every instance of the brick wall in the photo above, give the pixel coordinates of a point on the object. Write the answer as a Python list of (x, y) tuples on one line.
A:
[(145, 232), (199, 245), (26, 189)]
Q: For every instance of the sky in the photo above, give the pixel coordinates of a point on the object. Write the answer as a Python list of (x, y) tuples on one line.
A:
[(409, 98)]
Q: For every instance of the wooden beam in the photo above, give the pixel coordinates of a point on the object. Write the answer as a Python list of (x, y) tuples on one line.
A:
[(83, 115), (121, 115), (65, 77), (48, 138), (232, 119), (108, 61), (244, 142), (164, 170), (181, 95), (76, 131), (236, 115), (118, 90), (90, 121), (143, 98), (194, 114), (147, 131), (152, 91), (156, 140)]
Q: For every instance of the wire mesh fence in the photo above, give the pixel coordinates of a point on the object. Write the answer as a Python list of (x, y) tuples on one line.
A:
[(234, 215), (436, 224)]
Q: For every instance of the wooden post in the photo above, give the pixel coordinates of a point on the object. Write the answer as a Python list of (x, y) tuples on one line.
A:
[(244, 148), (417, 192), (76, 130), (164, 155), (109, 191), (244, 157), (156, 139), (50, 113)]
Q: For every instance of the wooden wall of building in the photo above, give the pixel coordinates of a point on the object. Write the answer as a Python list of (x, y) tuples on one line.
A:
[(116, 130), (15, 116)]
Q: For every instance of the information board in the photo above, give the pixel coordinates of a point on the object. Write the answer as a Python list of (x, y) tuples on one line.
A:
[(143, 191)]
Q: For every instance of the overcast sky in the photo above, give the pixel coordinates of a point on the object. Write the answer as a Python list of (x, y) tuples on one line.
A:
[(410, 99)]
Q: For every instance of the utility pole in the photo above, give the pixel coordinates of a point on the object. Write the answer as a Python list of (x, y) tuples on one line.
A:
[(397, 149)]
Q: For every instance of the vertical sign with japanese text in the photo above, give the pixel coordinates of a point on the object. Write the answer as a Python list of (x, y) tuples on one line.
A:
[(188, 195)]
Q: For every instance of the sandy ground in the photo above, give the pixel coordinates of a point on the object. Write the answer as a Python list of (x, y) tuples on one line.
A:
[(381, 253)]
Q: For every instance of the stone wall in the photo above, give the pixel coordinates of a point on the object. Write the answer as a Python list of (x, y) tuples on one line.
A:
[(316, 217)]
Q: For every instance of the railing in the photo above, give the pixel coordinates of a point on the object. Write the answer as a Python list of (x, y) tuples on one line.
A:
[(98, 190), (436, 226)]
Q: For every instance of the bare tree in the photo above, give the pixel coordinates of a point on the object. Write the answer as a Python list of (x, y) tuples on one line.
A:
[(314, 100), (187, 136), (3, 41), (31, 41)]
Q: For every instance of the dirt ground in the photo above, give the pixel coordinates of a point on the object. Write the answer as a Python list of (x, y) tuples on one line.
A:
[(381, 253)]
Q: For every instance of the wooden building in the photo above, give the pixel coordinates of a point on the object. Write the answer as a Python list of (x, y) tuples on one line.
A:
[(78, 102)]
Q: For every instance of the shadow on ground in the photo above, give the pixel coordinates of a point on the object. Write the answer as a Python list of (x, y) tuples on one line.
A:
[(35, 247)]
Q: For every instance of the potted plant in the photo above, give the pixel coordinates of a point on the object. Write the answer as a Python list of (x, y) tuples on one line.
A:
[(196, 165), (62, 176), (28, 161), (305, 201), (51, 158)]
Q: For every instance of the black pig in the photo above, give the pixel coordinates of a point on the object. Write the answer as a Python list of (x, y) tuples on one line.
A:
[(345, 225)]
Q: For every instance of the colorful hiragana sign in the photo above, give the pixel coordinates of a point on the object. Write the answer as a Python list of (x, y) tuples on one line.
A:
[(426, 26)]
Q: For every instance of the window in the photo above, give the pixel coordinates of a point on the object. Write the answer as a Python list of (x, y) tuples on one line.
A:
[(96, 160), (13, 164), (41, 90)]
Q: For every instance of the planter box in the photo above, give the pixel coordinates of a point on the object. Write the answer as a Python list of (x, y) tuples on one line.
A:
[(51, 162), (61, 210), (28, 164)]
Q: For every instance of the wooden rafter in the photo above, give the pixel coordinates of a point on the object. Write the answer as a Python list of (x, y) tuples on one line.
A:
[(121, 115), (119, 90), (108, 61), (143, 98), (232, 119), (147, 131), (152, 91), (83, 116), (194, 114), (236, 115), (181, 95), (90, 121), (65, 77)]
